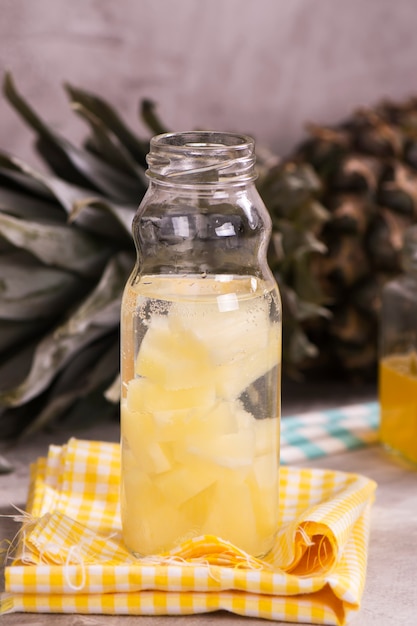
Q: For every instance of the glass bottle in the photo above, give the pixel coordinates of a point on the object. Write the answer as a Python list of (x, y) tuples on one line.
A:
[(200, 352), (398, 357)]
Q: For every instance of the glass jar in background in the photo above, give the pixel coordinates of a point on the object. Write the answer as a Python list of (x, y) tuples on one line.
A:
[(398, 357), (200, 352)]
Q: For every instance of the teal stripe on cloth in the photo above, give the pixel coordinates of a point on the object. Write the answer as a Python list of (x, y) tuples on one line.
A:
[(320, 433)]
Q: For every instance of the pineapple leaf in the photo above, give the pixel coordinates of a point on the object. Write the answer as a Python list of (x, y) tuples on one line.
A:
[(103, 111), (123, 214), (17, 365), (23, 107), (306, 285), (300, 347), (89, 369), (151, 119), (311, 216), (288, 186), (308, 243), (68, 161), (13, 176), (56, 245), (308, 310), (24, 206), (295, 343), (103, 304), (14, 333), (102, 144), (69, 197), (48, 292), (298, 242), (95, 317)]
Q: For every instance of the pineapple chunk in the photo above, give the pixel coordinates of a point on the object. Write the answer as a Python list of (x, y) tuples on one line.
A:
[(264, 493), (129, 462), (172, 357), (232, 517), (228, 334), (233, 378), (210, 423), (234, 450), (150, 456), (265, 469), (173, 425), (197, 508), (137, 427), (184, 482), (154, 459), (143, 395), (217, 436), (150, 524), (185, 427)]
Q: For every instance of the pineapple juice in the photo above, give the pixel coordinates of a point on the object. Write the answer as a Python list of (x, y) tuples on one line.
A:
[(398, 400), (197, 458)]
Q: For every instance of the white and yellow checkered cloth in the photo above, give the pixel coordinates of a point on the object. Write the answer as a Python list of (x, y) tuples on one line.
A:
[(69, 556)]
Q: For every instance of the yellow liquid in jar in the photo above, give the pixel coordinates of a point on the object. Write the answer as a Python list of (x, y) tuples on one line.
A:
[(398, 400), (195, 458)]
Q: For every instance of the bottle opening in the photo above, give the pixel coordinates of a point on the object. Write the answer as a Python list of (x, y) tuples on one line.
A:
[(202, 158)]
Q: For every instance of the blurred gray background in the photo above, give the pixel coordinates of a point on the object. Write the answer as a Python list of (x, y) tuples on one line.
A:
[(264, 67)]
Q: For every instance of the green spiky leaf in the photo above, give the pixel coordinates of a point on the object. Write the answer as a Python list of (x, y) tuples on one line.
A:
[(69, 161), (150, 117), (104, 112), (56, 245), (94, 318), (99, 215), (89, 369), (48, 291), (102, 143)]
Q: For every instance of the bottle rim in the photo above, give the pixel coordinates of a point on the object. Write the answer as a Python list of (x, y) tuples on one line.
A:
[(204, 140), (202, 158)]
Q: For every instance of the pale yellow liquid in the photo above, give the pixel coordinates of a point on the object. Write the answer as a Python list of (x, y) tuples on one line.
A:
[(195, 458)]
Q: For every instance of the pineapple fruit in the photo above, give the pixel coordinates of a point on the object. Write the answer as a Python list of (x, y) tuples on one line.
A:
[(344, 197)]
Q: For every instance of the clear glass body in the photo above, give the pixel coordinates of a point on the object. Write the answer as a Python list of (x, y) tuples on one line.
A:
[(398, 358), (200, 353)]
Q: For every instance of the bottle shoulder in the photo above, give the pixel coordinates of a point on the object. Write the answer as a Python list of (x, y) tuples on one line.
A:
[(172, 215), (186, 230)]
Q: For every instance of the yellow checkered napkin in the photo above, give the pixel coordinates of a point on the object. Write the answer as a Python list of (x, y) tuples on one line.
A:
[(70, 558)]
